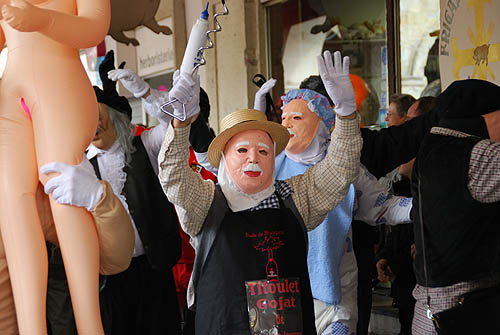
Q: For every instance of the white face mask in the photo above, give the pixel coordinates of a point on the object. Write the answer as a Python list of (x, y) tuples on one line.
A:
[(237, 200), (315, 151)]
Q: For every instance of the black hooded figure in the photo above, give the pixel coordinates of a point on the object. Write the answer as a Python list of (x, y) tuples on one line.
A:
[(456, 205), (142, 299), (108, 95)]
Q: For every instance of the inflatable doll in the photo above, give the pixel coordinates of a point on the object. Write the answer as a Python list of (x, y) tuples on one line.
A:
[(45, 75)]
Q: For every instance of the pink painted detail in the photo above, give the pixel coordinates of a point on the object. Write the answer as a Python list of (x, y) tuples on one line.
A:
[(26, 109)]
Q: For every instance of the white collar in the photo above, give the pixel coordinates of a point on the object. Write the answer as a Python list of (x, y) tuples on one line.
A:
[(94, 151)]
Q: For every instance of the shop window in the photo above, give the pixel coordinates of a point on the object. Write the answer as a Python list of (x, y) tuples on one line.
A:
[(419, 31), (299, 30)]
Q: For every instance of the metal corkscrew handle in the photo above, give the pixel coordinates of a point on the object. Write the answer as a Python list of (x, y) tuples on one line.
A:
[(201, 62), (210, 42)]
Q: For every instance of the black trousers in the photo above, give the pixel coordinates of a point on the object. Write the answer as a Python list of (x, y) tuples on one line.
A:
[(60, 319), (141, 301), (405, 302), (364, 237)]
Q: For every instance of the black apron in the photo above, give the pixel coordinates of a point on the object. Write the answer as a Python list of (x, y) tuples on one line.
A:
[(249, 246)]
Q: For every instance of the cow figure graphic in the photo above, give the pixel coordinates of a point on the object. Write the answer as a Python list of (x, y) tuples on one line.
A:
[(130, 14)]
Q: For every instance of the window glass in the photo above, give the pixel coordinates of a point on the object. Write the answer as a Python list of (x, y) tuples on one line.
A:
[(419, 31), (299, 30)]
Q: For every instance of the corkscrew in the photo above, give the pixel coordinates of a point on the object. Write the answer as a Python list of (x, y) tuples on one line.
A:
[(199, 59)]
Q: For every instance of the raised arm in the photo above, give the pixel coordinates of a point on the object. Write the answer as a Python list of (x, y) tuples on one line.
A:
[(153, 138), (186, 189), (388, 148), (85, 29), (324, 185), (152, 99)]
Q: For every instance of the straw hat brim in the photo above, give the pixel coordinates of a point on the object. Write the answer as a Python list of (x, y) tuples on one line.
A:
[(278, 133)]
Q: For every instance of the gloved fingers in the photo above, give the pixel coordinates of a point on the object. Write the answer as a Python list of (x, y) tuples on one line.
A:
[(53, 184), (113, 75), (321, 66), (183, 90), (52, 167), (87, 167), (188, 79), (180, 89), (176, 76), (182, 94), (128, 76), (337, 60), (345, 65), (329, 62), (58, 196), (268, 85), (120, 74)]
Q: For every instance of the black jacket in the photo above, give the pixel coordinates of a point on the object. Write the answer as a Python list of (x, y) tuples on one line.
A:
[(154, 216)]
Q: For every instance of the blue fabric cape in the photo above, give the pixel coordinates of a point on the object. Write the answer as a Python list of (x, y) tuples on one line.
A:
[(326, 242)]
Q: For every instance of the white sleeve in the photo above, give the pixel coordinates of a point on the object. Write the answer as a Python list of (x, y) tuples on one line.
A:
[(154, 100), (375, 206), (152, 140)]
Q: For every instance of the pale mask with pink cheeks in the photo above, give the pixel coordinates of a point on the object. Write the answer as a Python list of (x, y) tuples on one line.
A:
[(249, 159), (302, 124)]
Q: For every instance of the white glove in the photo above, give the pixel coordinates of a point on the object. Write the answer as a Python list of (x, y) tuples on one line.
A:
[(130, 80), (76, 185), (186, 90), (337, 82), (260, 97)]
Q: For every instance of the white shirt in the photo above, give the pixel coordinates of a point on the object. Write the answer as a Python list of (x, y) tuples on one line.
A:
[(111, 163)]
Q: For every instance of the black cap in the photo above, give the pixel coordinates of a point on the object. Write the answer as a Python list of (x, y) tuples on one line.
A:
[(468, 98), (108, 95), (464, 101)]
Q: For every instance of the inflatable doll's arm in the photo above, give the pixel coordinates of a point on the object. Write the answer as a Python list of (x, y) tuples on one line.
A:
[(84, 30)]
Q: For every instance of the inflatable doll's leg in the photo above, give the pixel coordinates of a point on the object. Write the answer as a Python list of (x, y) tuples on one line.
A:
[(8, 320), (19, 223), (63, 128)]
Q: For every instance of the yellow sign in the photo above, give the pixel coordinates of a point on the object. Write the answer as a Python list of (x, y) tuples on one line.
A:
[(469, 45)]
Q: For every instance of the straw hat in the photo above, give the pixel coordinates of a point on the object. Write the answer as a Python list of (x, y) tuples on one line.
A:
[(246, 119)]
